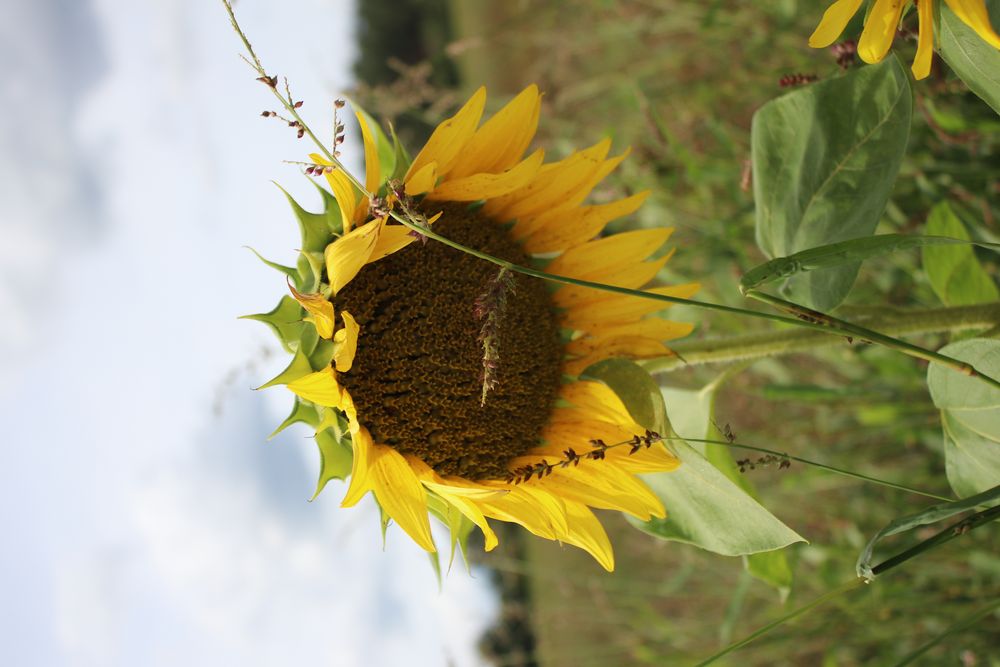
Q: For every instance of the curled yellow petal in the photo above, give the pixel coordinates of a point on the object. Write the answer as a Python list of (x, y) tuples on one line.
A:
[(880, 29), (973, 14), (320, 311), (346, 343), (834, 20), (586, 532)]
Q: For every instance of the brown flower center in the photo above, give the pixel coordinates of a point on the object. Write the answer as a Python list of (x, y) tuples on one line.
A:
[(417, 378)]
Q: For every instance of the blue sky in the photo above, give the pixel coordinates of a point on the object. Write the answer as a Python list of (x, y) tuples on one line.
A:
[(151, 522)]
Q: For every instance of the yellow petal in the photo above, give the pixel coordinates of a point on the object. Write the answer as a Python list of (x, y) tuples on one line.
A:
[(653, 327), (320, 311), (401, 494), (448, 138), (603, 485), (584, 354), (834, 20), (320, 388), (620, 309), (608, 254), (925, 42), (346, 343), (597, 399), (343, 192), (391, 239), (539, 512), (502, 140), (632, 277), (361, 473), (551, 186), (880, 29), (488, 186), (372, 165), (578, 225), (973, 13), (348, 254), (422, 180), (586, 532)]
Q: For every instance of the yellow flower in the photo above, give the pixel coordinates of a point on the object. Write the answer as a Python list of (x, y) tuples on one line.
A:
[(880, 27), (406, 322)]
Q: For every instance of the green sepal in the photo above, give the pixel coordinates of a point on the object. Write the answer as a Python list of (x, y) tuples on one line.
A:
[(335, 457), (308, 340), (386, 149), (322, 355), (299, 367), (285, 320), (314, 227), (315, 262), (459, 526), (291, 273), (302, 413), (331, 212), (401, 157)]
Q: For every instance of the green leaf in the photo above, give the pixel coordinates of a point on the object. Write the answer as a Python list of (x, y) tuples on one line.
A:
[(972, 460), (973, 60), (285, 320), (694, 418), (825, 158), (637, 390), (335, 457), (970, 416), (954, 272), (930, 515), (846, 252), (706, 509)]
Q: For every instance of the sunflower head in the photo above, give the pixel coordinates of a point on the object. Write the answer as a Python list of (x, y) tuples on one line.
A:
[(447, 384)]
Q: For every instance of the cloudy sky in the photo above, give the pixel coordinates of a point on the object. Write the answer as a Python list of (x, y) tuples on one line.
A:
[(147, 519)]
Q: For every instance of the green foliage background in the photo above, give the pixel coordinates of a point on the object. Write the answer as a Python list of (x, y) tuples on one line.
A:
[(680, 82)]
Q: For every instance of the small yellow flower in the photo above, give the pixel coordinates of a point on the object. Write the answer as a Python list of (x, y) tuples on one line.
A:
[(407, 361), (883, 19)]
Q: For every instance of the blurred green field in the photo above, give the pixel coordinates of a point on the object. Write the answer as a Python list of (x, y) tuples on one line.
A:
[(678, 82)]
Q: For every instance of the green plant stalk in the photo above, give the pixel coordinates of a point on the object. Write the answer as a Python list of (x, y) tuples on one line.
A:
[(951, 532), (826, 597), (816, 464), (825, 324), (775, 343), (963, 624), (850, 329)]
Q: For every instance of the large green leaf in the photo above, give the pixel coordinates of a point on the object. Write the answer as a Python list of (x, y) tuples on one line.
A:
[(825, 158), (970, 415), (955, 274), (705, 508), (973, 60)]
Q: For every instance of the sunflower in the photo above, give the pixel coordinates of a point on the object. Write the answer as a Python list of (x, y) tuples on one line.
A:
[(457, 383), (881, 23)]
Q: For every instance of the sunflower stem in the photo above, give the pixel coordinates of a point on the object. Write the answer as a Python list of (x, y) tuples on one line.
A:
[(750, 347), (851, 329)]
